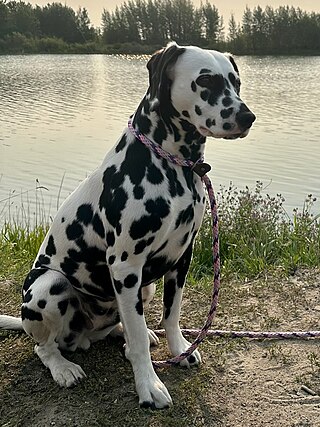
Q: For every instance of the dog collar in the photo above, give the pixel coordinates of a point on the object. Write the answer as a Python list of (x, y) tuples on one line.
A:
[(199, 167)]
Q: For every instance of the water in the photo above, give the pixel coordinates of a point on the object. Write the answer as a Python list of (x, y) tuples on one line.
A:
[(60, 114)]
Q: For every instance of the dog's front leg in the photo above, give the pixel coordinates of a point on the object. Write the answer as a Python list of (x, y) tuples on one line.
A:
[(173, 289), (127, 284)]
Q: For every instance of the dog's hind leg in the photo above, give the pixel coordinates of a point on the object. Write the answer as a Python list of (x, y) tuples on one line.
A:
[(173, 288), (51, 315)]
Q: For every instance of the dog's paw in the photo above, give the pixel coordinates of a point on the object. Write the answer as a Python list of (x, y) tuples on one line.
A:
[(180, 345), (153, 338), (67, 374), (153, 393)]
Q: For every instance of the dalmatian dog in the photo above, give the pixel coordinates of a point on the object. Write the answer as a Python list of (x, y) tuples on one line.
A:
[(131, 222)]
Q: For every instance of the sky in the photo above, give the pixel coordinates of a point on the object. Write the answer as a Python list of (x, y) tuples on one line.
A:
[(224, 7)]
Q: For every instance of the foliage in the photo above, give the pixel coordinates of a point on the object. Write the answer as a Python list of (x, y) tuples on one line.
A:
[(156, 22), (257, 235), (284, 30), (51, 21), (143, 25), (19, 245)]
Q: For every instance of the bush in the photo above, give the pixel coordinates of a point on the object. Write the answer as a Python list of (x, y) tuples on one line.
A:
[(257, 234)]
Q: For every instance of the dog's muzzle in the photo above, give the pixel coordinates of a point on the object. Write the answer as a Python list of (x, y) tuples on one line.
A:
[(245, 119)]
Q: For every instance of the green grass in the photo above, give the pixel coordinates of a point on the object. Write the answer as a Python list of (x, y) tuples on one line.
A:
[(257, 237)]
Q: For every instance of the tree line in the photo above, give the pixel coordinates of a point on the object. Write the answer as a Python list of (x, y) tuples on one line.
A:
[(144, 25)]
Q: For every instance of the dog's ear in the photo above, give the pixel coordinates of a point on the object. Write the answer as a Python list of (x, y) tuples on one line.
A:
[(158, 66), (233, 62)]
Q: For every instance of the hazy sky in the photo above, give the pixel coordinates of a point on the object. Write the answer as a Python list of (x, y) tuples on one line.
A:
[(225, 7)]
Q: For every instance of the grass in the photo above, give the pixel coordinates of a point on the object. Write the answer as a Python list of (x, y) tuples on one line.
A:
[(257, 237)]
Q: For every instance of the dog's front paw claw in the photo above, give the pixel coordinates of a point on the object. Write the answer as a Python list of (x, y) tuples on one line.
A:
[(153, 394), (68, 374)]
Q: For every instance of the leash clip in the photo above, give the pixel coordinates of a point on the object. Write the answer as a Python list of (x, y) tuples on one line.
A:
[(201, 168)]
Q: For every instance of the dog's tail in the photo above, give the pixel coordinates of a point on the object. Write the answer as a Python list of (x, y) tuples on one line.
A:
[(11, 323)]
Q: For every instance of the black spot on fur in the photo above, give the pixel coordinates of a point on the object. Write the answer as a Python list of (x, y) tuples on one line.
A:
[(160, 133), (51, 249), (175, 187), (74, 230), (118, 229), (85, 214), (33, 275), (121, 144), (29, 314), (111, 259), (78, 322), (63, 219), (124, 256), (42, 260), (185, 113), (62, 306), (98, 225), (130, 281), (184, 239), (185, 216), (139, 305), (113, 197), (58, 288), (198, 110), (140, 247), (69, 266), (74, 302), (42, 303), (100, 276), (157, 209), (28, 296), (144, 124), (226, 113), (227, 126), (227, 101), (168, 296), (193, 86), (182, 265), (154, 175), (118, 285), (232, 79), (138, 192), (191, 359), (205, 95), (155, 267), (110, 238)]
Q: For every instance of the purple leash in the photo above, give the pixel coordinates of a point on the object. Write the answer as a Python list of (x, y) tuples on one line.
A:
[(201, 168)]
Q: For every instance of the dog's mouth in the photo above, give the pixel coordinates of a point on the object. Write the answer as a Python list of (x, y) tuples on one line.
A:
[(235, 135)]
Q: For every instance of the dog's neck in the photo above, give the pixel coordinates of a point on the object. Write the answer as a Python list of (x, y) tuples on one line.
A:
[(170, 130)]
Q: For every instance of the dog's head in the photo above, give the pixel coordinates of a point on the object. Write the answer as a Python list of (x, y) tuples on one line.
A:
[(201, 87)]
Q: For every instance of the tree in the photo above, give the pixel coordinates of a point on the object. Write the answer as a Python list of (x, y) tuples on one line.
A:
[(85, 28), (59, 21)]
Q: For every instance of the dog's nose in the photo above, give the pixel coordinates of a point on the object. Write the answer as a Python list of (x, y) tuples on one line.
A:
[(245, 119)]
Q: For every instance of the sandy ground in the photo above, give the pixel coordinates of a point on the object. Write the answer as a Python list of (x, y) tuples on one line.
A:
[(241, 383)]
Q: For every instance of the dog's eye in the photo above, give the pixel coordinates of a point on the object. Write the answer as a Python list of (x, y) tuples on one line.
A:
[(205, 80)]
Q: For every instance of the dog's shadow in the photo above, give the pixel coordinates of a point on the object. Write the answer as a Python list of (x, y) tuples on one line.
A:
[(106, 397)]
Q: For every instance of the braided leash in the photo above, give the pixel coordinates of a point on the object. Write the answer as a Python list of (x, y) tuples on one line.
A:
[(201, 169)]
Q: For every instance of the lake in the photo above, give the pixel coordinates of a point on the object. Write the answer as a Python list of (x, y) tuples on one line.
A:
[(60, 114)]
